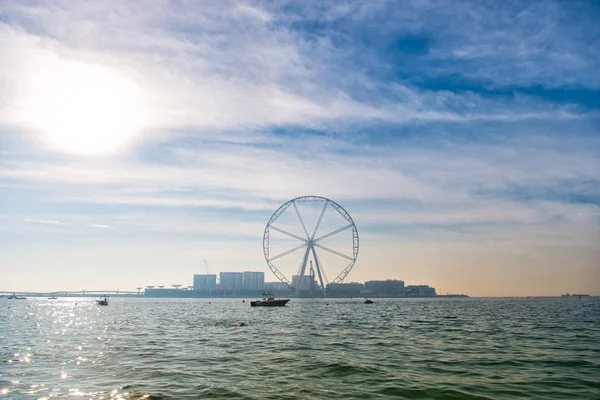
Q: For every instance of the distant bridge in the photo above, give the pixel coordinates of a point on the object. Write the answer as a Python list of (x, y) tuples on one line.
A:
[(73, 293)]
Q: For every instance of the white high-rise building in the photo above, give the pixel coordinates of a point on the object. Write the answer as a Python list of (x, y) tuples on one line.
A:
[(254, 280), (205, 282), (231, 280)]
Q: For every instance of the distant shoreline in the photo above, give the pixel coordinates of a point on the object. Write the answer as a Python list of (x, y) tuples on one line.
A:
[(185, 295), (192, 295), (240, 296)]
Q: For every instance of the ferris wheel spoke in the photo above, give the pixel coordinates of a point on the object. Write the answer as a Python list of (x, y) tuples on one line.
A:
[(287, 233), (322, 269), (319, 268), (285, 253), (319, 221), (337, 253), (300, 218), (334, 232)]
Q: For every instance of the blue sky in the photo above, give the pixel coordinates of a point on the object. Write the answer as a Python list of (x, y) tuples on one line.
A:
[(139, 138)]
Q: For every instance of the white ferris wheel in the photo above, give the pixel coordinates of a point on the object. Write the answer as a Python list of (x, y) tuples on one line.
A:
[(308, 239)]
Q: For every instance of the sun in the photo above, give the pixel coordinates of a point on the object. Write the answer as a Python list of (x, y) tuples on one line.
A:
[(86, 109)]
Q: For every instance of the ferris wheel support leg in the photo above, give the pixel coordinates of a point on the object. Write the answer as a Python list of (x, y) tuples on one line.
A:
[(303, 269), (319, 271)]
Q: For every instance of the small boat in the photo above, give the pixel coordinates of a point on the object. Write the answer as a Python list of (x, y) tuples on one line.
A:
[(368, 301), (102, 302), (15, 297), (269, 301), (52, 298)]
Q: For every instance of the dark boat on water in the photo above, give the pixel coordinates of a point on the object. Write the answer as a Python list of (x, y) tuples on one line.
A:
[(269, 301), (102, 302), (15, 297), (367, 301)]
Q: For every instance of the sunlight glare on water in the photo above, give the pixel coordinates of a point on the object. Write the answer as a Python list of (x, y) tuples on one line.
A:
[(395, 348)]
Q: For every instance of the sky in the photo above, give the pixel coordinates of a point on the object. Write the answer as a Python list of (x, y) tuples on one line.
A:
[(139, 139)]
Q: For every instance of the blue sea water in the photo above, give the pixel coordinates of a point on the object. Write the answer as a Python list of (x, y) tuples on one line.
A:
[(547, 348)]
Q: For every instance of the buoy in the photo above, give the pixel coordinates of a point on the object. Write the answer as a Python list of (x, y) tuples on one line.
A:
[(209, 302), (326, 304), (243, 301)]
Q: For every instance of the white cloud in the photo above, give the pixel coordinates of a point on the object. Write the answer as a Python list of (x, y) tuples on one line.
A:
[(228, 175), (102, 226), (218, 66), (43, 221), (528, 43), (404, 186), (189, 81)]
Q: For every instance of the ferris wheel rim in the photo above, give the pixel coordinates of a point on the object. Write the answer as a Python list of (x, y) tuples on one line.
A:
[(311, 198)]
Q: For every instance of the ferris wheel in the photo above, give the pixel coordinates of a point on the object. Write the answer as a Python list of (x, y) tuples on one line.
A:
[(307, 238)]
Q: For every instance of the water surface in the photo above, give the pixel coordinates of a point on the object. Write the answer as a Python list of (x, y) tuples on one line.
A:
[(395, 348)]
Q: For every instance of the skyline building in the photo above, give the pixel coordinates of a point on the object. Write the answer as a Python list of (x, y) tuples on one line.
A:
[(254, 280), (275, 287), (345, 289), (205, 282), (252, 283), (419, 290), (231, 280), (306, 284), (388, 287)]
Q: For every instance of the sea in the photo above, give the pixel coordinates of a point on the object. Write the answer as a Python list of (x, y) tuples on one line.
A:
[(437, 348)]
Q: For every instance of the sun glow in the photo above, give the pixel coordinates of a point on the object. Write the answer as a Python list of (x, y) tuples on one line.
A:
[(85, 109)]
